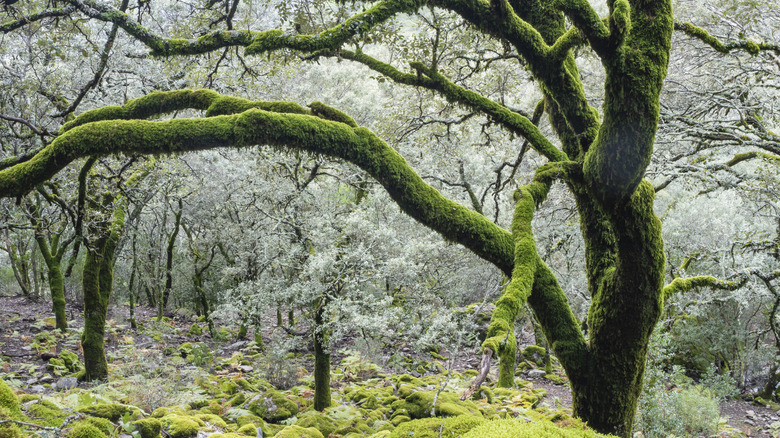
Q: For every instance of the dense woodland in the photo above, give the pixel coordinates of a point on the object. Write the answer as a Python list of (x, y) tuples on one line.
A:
[(313, 218)]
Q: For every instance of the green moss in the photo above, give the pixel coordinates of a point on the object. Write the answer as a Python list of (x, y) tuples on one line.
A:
[(180, 426), (148, 427), (212, 419), (420, 404), (248, 429), (319, 109), (195, 330), (83, 429), (316, 420), (49, 413), (298, 432), (8, 400), (512, 428), (271, 406), (9, 430), (111, 412), (437, 427)]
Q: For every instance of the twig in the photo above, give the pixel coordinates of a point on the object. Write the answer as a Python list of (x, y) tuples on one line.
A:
[(484, 369)]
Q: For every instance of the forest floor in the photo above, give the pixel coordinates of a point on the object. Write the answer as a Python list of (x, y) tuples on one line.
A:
[(26, 347)]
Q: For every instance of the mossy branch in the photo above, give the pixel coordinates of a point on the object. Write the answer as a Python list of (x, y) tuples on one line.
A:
[(283, 130), (679, 285), (502, 23), (32, 18), (738, 158), (255, 42), (585, 18), (702, 35), (526, 258)]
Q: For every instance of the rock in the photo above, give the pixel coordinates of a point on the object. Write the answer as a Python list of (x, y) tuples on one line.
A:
[(37, 389), (32, 381), (236, 345), (46, 379), (536, 373), (245, 369), (46, 355), (750, 423), (66, 383), (750, 414)]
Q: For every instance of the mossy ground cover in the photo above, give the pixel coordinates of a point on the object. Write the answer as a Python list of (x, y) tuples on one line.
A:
[(234, 389), (169, 380)]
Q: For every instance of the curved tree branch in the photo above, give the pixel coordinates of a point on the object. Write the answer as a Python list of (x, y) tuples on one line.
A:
[(260, 127)]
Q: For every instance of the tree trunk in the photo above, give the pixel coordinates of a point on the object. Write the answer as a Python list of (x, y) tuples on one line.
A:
[(321, 362), (95, 309), (57, 286), (169, 260), (97, 280)]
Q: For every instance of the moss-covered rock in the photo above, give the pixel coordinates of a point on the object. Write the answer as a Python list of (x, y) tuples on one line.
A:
[(103, 425), (9, 400), (9, 430), (437, 427), (271, 406), (211, 419), (195, 330), (298, 432), (513, 428), (148, 427), (358, 427), (110, 411), (248, 429), (420, 404), (181, 426), (49, 413), (85, 429), (316, 420)]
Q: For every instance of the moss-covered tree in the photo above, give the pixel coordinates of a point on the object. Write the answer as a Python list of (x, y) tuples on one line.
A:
[(601, 159)]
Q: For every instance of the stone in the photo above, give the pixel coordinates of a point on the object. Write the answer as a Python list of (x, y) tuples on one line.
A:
[(536, 373), (750, 414), (37, 389), (46, 379), (245, 368), (66, 383)]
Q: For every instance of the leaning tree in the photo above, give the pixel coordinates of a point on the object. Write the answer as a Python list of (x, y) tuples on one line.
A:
[(600, 156)]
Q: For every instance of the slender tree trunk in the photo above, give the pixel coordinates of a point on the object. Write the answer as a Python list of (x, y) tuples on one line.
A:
[(57, 286), (169, 259), (95, 309), (321, 361), (98, 279)]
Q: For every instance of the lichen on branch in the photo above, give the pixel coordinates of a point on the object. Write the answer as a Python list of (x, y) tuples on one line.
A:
[(680, 285), (752, 47)]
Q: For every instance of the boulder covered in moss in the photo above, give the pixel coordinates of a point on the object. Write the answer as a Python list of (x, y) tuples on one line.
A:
[(420, 405), (83, 429), (316, 420), (437, 427), (181, 426), (299, 432), (9, 400), (148, 427), (110, 411), (195, 330), (514, 428), (271, 406)]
